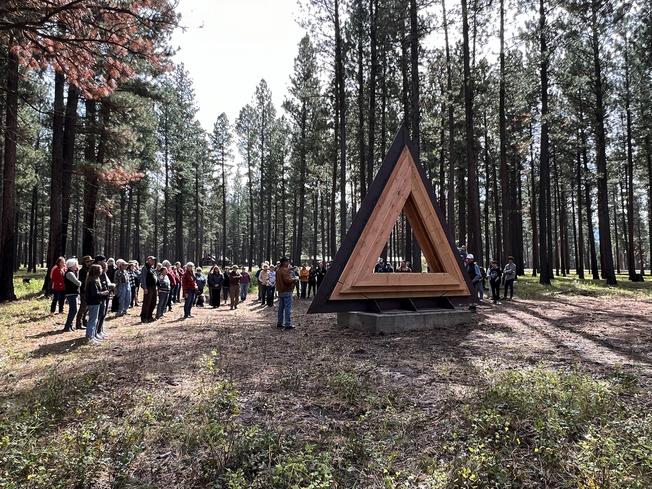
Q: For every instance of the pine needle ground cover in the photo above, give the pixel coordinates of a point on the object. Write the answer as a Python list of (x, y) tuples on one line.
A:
[(552, 391)]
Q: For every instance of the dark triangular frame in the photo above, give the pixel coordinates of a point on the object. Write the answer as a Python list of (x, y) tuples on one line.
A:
[(322, 303)]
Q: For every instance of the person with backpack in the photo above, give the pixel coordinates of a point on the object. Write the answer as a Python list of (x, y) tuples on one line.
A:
[(473, 269), (509, 275), (495, 273)]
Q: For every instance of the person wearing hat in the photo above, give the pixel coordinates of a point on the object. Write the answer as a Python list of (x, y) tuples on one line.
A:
[(263, 277), (475, 275), (271, 286), (234, 286), (284, 285), (148, 283)]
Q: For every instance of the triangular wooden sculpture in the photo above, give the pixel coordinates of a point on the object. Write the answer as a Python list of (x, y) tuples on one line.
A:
[(400, 186)]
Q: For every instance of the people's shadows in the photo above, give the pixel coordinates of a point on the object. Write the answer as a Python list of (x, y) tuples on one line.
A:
[(602, 342), (59, 348), (49, 332)]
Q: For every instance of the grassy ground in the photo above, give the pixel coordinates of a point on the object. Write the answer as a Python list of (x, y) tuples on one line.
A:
[(571, 285), (551, 390)]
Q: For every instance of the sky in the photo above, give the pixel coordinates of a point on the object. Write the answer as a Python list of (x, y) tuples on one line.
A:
[(228, 46)]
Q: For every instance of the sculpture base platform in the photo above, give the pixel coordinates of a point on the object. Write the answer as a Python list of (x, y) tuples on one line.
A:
[(392, 322)]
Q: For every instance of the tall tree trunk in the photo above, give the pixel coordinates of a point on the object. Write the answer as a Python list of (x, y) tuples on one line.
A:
[(302, 184), (580, 232), (341, 99), (631, 266), (450, 212), (373, 75), (56, 181), (362, 154), (415, 114), (69, 134), (224, 232), (7, 232), (504, 249), (544, 158), (601, 156), (475, 243)]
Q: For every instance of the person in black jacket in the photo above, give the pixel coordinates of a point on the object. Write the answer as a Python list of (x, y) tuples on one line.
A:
[(321, 273), (95, 297), (225, 285), (87, 261), (215, 280), (495, 274), (148, 281)]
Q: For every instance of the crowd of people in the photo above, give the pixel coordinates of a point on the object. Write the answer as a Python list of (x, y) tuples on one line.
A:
[(99, 285)]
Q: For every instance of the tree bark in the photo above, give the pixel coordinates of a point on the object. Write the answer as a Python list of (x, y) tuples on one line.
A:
[(7, 231), (606, 253), (450, 212), (631, 265), (339, 74), (504, 250), (56, 181), (69, 134), (544, 162), (475, 243)]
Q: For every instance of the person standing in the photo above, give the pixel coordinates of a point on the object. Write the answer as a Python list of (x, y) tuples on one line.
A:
[(72, 283), (123, 289), (509, 275), (136, 283), (225, 285), (95, 297), (244, 284), (304, 275), (108, 287), (148, 283), (58, 285), (163, 286), (475, 275), (87, 261), (285, 284), (262, 283), (172, 277), (271, 286), (321, 273), (234, 286), (263, 280), (494, 281), (215, 280), (312, 280), (189, 285), (200, 278)]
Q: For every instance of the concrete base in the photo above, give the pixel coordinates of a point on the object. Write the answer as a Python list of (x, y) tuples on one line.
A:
[(402, 321)]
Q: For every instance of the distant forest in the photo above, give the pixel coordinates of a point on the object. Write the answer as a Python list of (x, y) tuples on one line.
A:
[(533, 120)]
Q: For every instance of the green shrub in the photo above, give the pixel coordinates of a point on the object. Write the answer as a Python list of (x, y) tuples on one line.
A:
[(540, 427)]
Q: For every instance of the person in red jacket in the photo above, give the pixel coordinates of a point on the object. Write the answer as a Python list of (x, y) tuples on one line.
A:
[(189, 286), (58, 285)]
